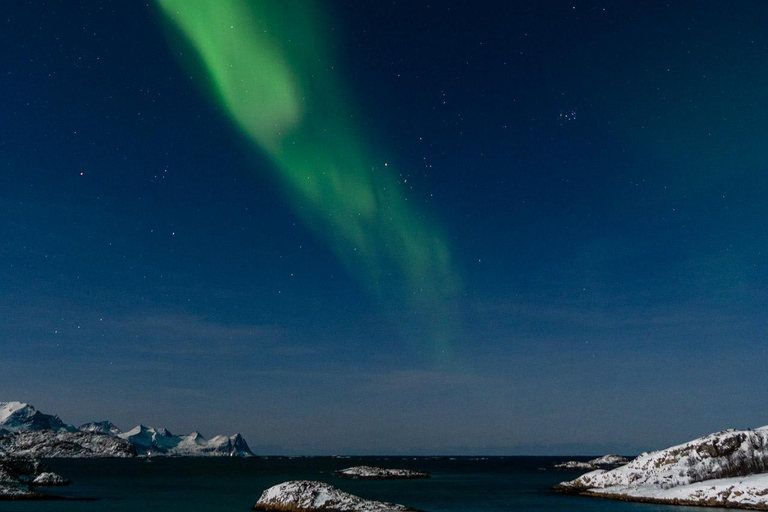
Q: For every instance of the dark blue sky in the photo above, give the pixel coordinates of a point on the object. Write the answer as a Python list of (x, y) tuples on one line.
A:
[(598, 170)]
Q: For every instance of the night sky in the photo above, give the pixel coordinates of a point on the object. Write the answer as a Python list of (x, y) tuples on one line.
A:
[(497, 227)]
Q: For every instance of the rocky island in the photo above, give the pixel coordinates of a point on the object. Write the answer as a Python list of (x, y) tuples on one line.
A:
[(309, 496), (604, 462), (374, 473), (724, 469)]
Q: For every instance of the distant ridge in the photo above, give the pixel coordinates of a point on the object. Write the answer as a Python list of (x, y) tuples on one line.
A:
[(18, 420)]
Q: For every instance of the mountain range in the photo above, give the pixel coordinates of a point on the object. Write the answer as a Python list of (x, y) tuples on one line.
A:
[(26, 431)]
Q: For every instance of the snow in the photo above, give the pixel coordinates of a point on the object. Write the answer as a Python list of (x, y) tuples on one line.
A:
[(306, 495), (726, 468), (9, 408), (743, 492)]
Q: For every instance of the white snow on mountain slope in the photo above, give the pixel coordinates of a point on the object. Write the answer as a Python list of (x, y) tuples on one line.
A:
[(306, 495), (18, 416)]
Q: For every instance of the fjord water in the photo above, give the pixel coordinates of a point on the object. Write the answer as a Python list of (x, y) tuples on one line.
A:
[(461, 484)]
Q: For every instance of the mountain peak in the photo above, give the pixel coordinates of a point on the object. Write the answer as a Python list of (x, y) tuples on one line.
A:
[(16, 416)]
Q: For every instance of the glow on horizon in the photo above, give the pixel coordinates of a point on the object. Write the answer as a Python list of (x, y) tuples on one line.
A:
[(269, 69)]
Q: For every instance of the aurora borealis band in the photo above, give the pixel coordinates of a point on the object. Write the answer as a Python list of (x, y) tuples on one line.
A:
[(270, 70)]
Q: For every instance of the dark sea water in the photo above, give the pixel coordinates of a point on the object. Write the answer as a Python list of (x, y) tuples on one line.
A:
[(462, 484)]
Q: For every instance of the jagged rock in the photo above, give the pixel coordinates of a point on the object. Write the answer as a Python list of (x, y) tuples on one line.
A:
[(309, 496), (51, 444), (720, 469), (374, 473)]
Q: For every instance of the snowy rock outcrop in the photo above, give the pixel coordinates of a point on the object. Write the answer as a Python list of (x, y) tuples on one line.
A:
[(161, 442), (722, 469), (604, 462), (51, 444), (374, 473), (309, 496), (50, 479)]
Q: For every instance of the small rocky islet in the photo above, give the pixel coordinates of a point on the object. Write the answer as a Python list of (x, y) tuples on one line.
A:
[(376, 473), (312, 496), (609, 461)]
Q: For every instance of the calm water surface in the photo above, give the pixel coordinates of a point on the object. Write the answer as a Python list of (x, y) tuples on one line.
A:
[(231, 485)]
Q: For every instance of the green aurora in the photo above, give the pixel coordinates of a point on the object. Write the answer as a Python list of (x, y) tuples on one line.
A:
[(269, 69)]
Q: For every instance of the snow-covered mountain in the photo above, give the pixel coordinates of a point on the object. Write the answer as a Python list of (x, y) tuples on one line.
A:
[(101, 427), (728, 461), (26, 431), (18, 416), (160, 441)]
